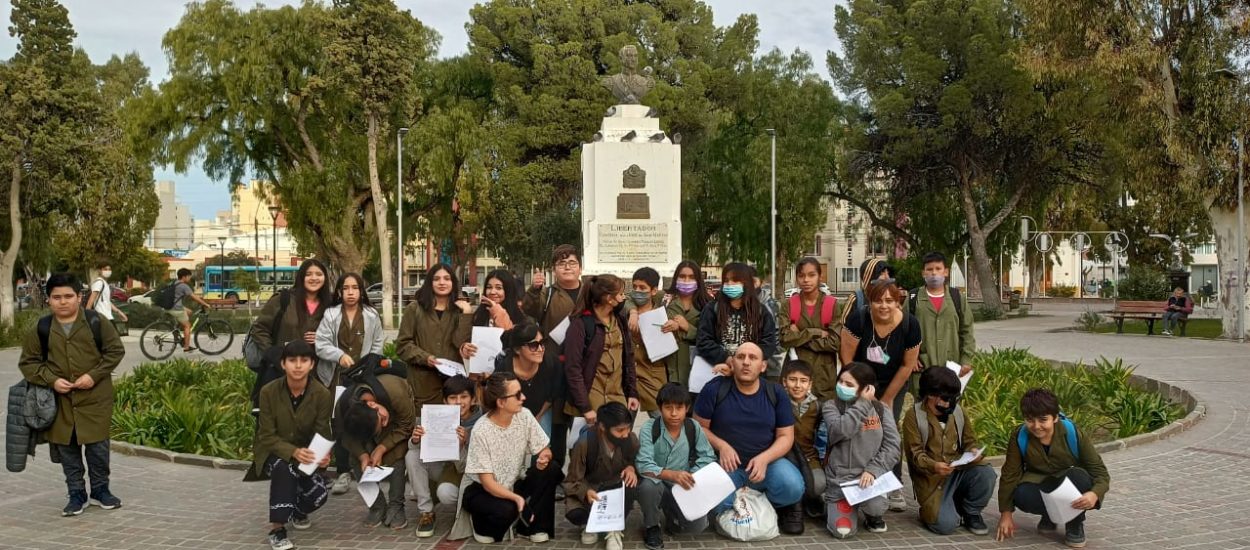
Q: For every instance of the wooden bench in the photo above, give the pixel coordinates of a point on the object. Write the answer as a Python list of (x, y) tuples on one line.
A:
[(223, 303), (1141, 310)]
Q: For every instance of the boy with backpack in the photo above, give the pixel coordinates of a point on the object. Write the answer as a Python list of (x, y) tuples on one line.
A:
[(100, 296), (796, 378), (460, 391), (673, 447), (1044, 450), (73, 352), (936, 433), (602, 460), (173, 298), (378, 416), (945, 329)]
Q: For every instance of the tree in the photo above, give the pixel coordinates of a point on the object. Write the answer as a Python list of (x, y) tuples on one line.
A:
[(374, 52), (949, 112)]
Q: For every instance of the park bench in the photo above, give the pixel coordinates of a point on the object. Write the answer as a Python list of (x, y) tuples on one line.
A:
[(223, 303), (1142, 310)]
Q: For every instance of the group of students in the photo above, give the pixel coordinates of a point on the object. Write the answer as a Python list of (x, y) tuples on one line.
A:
[(831, 420)]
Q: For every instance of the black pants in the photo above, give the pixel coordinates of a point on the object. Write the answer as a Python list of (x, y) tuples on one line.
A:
[(97, 466), (493, 516), (396, 483), (1028, 496), (344, 463), (291, 492)]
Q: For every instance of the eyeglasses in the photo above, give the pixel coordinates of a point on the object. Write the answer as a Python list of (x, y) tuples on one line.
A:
[(568, 264), (535, 346)]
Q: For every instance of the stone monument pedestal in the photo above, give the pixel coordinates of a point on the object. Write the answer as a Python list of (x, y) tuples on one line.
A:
[(631, 196)]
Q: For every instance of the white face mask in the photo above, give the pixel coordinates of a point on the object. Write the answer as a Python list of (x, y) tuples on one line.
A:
[(106, 274)]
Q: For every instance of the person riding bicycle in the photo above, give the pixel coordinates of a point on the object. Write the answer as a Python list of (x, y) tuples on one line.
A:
[(181, 312)]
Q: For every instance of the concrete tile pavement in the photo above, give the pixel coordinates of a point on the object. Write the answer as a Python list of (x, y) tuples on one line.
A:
[(1184, 492)]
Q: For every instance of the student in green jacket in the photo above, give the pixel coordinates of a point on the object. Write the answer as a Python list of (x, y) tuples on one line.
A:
[(292, 412), (1048, 459), (805, 330), (947, 334), (80, 370), (376, 431), (434, 327)]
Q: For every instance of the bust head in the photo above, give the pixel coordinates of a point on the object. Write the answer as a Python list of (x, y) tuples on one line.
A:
[(629, 59)]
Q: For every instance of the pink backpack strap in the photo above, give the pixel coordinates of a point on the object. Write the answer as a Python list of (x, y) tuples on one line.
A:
[(827, 307), (796, 308)]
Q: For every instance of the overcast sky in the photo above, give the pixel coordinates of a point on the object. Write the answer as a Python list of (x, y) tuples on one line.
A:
[(107, 27)]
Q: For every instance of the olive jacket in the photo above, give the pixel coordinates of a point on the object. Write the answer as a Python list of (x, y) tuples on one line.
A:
[(394, 436), (424, 334), (810, 345), (282, 428), (943, 445)]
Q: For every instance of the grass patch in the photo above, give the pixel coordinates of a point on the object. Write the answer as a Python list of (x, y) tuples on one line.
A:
[(1099, 399), (23, 322), (187, 406), (1202, 328)]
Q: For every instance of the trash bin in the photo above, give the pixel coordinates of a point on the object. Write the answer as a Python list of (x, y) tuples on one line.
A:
[(1013, 303)]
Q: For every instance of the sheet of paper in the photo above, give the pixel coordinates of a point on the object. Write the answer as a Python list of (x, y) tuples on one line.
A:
[(659, 344), (700, 374), (794, 355), (374, 474), (963, 380), (320, 447), (369, 491), (608, 513), (338, 392), (884, 484), (711, 486), (575, 430), (967, 458), (1059, 502), (440, 442), (450, 368), (489, 346), (558, 331)]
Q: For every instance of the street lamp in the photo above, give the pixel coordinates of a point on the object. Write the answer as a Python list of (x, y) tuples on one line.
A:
[(399, 216), (772, 211), (221, 277), (273, 213), (1240, 271)]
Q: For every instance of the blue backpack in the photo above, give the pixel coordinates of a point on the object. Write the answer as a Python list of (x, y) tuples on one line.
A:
[(1022, 438)]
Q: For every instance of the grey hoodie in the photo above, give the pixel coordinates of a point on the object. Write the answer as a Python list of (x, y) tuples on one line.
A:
[(327, 341), (862, 437)]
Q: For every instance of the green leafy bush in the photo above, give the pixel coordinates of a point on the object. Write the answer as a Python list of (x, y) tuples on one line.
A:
[(987, 313), (23, 322), (1144, 283), (141, 315), (1099, 399), (188, 407), (1089, 321), (1062, 291)]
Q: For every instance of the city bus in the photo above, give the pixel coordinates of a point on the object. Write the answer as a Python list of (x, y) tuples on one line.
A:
[(220, 284)]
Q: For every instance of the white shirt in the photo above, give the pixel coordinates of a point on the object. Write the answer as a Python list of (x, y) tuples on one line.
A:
[(103, 306)]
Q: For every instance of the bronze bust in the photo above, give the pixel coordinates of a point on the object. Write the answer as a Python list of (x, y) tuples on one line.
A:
[(629, 86)]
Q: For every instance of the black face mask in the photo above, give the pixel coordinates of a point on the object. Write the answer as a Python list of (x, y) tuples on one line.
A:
[(945, 411), (618, 442)]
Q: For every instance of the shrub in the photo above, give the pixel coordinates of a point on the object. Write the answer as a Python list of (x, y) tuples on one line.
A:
[(1062, 291), (1089, 321), (141, 315), (23, 322), (1144, 283), (987, 313)]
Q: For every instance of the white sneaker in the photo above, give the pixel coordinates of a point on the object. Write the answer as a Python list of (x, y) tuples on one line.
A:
[(1166, 333), (615, 540), (341, 484), (539, 537), (590, 539), (482, 539)]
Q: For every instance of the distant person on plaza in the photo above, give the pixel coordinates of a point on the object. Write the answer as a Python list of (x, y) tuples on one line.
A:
[(1053, 448), (687, 298), (863, 446), (101, 299), (181, 311), (1180, 305), (598, 351), (811, 328), (349, 330), (76, 361), (433, 327), (735, 317)]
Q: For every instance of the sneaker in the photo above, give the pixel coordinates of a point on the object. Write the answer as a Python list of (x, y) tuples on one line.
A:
[(539, 537), (976, 525), (791, 519), (1044, 525), (875, 524), (482, 539), (560, 492), (425, 525), (341, 484), (1166, 333), (278, 540), (376, 516), (653, 539), (590, 539), (104, 499), (77, 504), (1075, 536), (897, 502), (301, 523), (396, 518), (615, 540)]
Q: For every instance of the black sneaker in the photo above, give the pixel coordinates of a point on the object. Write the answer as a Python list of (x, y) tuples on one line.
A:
[(376, 516), (976, 525), (104, 499), (77, 504), (875, 524), (425, 525), (1075, 537), (560, 492), (279, 541), (653, 539), (791, 519), (1044, 525)]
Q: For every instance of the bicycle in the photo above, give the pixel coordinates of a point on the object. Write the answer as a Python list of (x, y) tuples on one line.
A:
[(161, 338)]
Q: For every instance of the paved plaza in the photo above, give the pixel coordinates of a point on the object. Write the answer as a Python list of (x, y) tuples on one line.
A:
[(1189, 491)]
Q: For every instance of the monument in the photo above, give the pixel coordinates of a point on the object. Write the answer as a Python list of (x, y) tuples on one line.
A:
[(631, 183)]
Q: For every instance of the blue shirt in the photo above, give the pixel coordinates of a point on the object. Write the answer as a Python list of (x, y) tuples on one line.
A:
[(747, 422), (668, 453)]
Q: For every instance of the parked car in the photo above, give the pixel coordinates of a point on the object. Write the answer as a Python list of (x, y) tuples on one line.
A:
[(145, 298), (823, 288), (374, 292)]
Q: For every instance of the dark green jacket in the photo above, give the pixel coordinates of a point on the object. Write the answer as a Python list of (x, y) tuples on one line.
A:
[(403, 416), (89, 413), (424, 334), (944, 337), (294, 323), (281, 429), (1039, 464)]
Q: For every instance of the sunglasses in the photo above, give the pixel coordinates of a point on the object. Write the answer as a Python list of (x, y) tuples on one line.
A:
[(534, 346), (518, 395)]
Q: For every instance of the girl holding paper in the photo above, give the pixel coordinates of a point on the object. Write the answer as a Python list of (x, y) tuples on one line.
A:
[(598, 351), (689, 295), (863, 446), (433, 328)]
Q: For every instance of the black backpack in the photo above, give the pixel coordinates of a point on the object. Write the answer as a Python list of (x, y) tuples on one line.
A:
[(164, 298), (364, 375), (691, 439), (44, 329)]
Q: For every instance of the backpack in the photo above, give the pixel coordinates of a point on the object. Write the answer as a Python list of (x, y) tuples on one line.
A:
[(44, 330), (953, 293), (922, 422), (365, 373), (827, 307), (770, 391), (105, 293), (1022, 438), (691, 438), (164, 299)]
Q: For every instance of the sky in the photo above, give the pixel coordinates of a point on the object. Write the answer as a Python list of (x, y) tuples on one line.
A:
[(108, 27)]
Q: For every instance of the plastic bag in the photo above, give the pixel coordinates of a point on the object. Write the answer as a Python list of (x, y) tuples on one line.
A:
[(751, 519)]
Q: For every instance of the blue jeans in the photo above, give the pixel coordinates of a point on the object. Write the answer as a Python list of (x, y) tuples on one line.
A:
[(545, 422), (783, 484)]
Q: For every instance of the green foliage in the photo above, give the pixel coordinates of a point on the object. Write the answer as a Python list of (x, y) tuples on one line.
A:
[(187, 407), (141, 315), (1089, 321), (23, 322), (1144, 283), (1061, 291), (1194, 328), (1098, 399), (987, 313)]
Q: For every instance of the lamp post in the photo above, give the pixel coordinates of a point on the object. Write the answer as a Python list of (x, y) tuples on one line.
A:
[(1240, 272), (399, 216), (273, 213), (221, 277), (772, 210)]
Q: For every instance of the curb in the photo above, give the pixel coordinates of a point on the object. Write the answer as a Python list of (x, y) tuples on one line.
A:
[(130, 449)]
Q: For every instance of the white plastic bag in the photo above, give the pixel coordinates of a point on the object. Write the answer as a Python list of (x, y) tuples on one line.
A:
[(751, 519)]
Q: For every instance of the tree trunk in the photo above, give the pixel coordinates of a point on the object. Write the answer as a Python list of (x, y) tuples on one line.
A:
[(1232, 278), (8, 259), (982, 267), (379, 214)]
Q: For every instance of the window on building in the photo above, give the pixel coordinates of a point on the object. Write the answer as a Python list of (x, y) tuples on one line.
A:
[(878, 245), (817, 246), (849, 275)]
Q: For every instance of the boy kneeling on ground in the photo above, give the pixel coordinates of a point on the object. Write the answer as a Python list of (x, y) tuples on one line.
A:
[(937, 432), (672, 447), (601, 460), (1046, 449), (457, 390), (377, 428)]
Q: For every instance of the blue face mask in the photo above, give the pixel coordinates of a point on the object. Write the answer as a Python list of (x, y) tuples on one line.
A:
[(733, 291), (845, 393)]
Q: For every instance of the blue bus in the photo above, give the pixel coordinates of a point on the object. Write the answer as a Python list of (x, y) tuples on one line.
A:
[(219, 283)]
